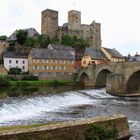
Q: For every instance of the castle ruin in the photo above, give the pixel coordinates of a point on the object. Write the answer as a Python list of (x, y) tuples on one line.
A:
[(50, 27)]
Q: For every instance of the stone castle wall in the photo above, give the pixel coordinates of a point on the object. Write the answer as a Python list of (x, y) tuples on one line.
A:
[(91, 32)]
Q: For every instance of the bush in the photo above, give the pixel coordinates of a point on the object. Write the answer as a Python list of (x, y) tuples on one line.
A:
[(96, 132), (11, 78), (14, 70), (4, 81), (29, 77)]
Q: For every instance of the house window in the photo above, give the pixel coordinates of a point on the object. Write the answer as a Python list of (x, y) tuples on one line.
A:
[(70, 62), (45, 67), (16, 61), (53, 67), (62, 67), (84, 62), (35, 60), (35, 67), (62, 61), (23, 62), (10, 61), (53, 73), (45, 61), (53, 61), (35, 73), (23, 67)]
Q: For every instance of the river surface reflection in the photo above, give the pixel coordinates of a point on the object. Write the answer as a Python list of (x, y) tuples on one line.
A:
[(49, 104)]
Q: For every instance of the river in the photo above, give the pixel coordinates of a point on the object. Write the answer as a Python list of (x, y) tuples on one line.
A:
[(46, 105)]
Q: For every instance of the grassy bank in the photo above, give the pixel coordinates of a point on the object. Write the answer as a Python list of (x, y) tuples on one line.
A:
[(43, 83)]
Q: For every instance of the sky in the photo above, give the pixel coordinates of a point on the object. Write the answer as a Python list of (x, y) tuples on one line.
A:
[(120, 21)]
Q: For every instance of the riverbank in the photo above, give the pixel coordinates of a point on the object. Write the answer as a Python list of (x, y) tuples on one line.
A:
[(43, 83), (72, 130)]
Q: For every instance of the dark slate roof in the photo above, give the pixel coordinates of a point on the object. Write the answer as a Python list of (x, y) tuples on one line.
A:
[(60, 47), (114, 53), (95, 53), (14, 55), (54, 53)]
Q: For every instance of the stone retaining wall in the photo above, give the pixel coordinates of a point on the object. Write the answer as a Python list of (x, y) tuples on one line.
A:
[(70, 130)]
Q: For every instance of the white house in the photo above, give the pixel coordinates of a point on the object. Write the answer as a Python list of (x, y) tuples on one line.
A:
[(13, 59)]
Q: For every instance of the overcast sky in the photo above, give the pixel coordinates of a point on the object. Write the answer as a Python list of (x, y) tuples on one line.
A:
[(120, 20)]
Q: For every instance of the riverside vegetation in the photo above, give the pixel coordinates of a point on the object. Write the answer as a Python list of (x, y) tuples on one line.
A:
[(30, 80)]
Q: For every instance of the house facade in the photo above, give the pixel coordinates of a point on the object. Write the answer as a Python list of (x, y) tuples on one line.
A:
[(3, 70), (113, 55), (55, 62), (93, 56), (15, 60)]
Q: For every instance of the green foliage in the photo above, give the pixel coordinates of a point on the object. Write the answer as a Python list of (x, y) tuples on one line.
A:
[(30, 41), (14, 70), (12, 43), (67, 40), (11, 78), (29, 78), (21, 36), (96, 132), (74, 41), (4, 81), (43, 41), (3, 38), (11, 48)]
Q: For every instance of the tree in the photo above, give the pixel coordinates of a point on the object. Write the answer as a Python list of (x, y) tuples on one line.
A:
[(11, 48), (14, 70), (3, 38), (67, 40), (44, 41), (74, 41), (21, 36), (30, 41)]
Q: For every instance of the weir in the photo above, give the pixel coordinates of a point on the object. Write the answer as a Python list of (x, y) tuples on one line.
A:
[(73, 105), (69, 130)]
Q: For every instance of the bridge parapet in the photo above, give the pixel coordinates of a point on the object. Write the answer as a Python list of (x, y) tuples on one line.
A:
[(123, 73)]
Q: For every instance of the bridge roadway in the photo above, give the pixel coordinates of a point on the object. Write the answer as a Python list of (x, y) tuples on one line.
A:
[(119, 78)]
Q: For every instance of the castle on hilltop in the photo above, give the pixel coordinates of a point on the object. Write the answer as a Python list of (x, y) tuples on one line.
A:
[(49, 27)]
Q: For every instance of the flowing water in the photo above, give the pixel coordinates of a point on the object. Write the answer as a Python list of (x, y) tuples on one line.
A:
[(69, 105)]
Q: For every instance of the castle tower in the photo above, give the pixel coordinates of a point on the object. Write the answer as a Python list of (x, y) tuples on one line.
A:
[(74, 20), (98, 34), (49, 22)]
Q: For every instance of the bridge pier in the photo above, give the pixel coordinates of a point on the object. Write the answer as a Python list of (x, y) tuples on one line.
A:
[(115, 84)]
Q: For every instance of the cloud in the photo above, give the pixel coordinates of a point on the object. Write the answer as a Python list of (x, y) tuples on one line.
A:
[(119, 18)]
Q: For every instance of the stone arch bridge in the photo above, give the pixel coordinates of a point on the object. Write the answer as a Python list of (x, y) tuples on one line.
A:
[(119, 78)]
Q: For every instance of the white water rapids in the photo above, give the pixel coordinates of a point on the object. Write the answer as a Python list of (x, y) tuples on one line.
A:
[(68, 106)]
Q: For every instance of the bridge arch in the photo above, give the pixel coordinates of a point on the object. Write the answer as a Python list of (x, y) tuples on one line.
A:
[(83, 79), (101, 78), (133, 83)]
